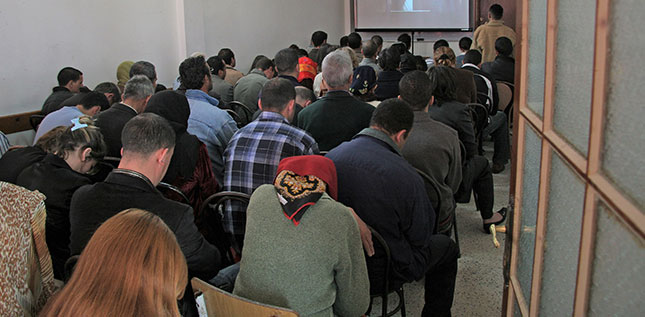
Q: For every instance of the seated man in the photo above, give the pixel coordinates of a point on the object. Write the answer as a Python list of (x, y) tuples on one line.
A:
[(221, 88), (498, 125), (247, 89), (464, 46), (476, 174), (88, 105), (388, 194), (148, 144), (432, 146), (338, 116), (136, 94), (304, 244), (369, 56), (70, 81), (253, 154), (503, 67), (210, 124), (232, 74)]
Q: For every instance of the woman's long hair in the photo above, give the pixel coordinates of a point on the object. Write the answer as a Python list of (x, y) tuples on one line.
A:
[(444, 56), (132, 266)]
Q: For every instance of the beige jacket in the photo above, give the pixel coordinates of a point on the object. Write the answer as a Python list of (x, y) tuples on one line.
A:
[(485, 36)]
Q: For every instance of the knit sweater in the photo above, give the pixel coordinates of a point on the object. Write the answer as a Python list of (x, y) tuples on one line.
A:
[(316, 268), (485, 36)]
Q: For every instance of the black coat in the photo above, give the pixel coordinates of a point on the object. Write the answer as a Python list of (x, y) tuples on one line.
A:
[(457, 116), (502, 69), (56, 179), (93, 204), (111, 123), (15, 161), (482, 87), (54, 101)]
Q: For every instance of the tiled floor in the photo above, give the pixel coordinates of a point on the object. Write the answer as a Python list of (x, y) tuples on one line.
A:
[(478, 290)]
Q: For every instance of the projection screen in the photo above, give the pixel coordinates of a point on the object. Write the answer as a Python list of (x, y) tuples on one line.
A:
[(411, 14)]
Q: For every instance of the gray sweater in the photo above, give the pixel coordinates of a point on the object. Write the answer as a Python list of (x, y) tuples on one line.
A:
[(316, 268)]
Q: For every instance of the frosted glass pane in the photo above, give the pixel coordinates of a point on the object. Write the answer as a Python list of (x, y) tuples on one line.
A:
[(530, 189), (574, 71), (537, 48), (617, 279), (516, 310), (562, 241), (624, 138)]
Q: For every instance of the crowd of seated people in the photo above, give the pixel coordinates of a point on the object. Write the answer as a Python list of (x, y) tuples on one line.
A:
[(322, 161)]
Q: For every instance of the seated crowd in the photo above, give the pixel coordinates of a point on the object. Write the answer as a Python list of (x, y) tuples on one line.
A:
[(126, 174)]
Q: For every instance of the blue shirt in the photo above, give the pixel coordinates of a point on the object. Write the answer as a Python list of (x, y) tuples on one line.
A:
[(388, 194), (252, 159), (62, 116), (211, 125)]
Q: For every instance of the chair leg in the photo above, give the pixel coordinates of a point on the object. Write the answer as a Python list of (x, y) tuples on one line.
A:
[(454, 226), (384, 305), (369, 309), (402, 299)]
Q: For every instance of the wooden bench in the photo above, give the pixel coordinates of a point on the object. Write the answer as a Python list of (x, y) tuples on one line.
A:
[(16, 122)]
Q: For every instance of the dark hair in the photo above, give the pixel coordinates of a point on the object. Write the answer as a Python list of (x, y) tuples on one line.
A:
[(146, 133), (369, 49), (216, 64), (393, 115), (465, 43), (420, 63), (227, 55), (305, 93), (286, 60), (389, 59), (324, 51), (504, 46), (443, 79), (264, 63), (439, 43), (400, 47), (109, 88), (496, 11), (160, 87), (68, 74), (344, 41), (144, 68), (318, 37), (302, 52), (87, 137), (276, 94), (93, 99), (416, 89), (405, 39), (377, 39), (294, 46), (354, 40), (192, 71), (473, 57)]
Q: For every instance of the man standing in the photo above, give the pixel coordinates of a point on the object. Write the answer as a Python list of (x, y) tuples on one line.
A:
[(148, 144), (136, 94), (207, 122), (247, 90), (338, 116), (485, 35), (388, 194), (232, 74), (432, 146), (253, 154), (88, 105), (70, 81)]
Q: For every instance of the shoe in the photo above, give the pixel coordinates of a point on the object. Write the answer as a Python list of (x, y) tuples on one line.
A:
[(497, 168), (501, 212)]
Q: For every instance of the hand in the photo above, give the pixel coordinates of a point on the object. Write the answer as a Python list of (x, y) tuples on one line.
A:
[(366, 234)]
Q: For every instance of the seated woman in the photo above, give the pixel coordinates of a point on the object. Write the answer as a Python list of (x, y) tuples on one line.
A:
[(132, 266), (387, 84), (465, 80), (60, 173), (190, 167), (302, 249)]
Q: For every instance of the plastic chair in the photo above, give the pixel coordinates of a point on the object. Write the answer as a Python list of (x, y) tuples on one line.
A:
[(215, 203), (377, 238), (222, 304)]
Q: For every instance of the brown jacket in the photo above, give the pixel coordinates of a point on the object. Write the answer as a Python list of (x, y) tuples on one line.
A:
[(232, 75), (485, 36)]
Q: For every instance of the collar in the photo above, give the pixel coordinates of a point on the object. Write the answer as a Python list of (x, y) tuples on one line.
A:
[(59, 88), (127, 105), (469, 64), (338, 93), (292, 79), (230, 67), (200, 95), (367, 60), (257, 71), (56, 160), (381, 136), (272, 116), (216, 78), (495, 23), (134, 174)]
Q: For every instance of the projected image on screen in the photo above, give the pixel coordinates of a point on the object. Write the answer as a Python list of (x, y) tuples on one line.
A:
[(412, 14)]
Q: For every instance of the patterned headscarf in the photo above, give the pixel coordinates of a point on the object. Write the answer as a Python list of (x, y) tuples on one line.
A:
[(301, 181), (364, 80)]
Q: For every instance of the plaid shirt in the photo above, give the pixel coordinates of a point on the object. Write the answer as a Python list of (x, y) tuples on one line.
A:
[(252, 156)]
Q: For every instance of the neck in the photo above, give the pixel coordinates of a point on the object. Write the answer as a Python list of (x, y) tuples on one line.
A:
[(137, 105), (141, 166)]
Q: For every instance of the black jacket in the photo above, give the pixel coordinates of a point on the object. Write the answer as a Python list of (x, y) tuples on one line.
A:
[(457, 116), (15, 161), (111, 123), (482, 87), (502, 69), (53, 102), (123, 189), (56, 179)]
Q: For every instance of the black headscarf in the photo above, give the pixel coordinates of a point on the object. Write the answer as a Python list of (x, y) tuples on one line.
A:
[(174, 108)]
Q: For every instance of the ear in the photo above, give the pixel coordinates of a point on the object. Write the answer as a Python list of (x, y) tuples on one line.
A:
[(260, 104), (161, 156), (94, 110), (85, 154), (121, 151), (308, 102), (399, 137), (399, 97), (351, 78), (291, 105), (431, 101), (109, 96), (147, 99)]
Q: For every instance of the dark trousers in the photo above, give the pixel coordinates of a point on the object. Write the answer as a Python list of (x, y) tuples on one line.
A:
[(440, 277), (476, 176), (498, 130)]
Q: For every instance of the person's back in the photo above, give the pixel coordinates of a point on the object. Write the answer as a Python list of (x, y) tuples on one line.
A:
[(70, 81), (503, 67), (486, 34), (247, 89), (84, 104)]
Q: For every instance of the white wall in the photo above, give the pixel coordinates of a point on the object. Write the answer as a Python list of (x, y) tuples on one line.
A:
[(41, 37), (252, 27)]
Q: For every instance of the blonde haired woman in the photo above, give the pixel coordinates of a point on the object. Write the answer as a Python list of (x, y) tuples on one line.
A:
[(132, 266), (466, 89)]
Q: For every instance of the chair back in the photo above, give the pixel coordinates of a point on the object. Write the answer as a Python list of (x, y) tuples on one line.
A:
[(244, 113), (505, 95), (434, 194), (386, 289), (212, 210), (222, 304), (172, 192), (486, 101), (479, 114), (35, 120), (236, 117)]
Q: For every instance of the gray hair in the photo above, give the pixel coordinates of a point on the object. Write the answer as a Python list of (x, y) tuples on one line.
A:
[(138, 87), (336, 69)]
